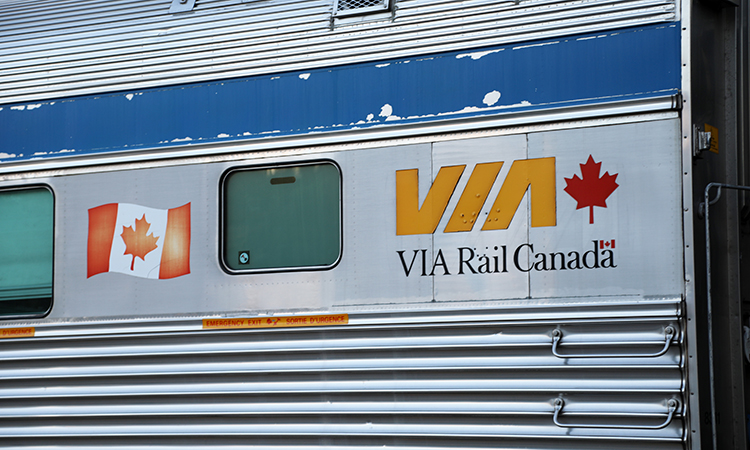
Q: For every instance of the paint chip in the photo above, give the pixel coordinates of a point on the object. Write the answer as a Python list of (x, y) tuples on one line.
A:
[(18, 108), (129, 96), (543, 44), (386, 110), (380, 66), (30, 107), (370, 117), (304, 76), (491, 98), (7, 155), (478, 55), (223, 135), (182, 139)]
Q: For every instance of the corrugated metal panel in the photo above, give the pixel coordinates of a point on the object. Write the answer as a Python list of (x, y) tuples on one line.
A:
[(59, 49), (449, 380)]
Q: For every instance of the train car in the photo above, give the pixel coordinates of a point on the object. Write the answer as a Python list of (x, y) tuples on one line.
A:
[(403, 224)]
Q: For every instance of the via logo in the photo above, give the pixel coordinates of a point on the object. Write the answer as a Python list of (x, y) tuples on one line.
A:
[(536, 175)]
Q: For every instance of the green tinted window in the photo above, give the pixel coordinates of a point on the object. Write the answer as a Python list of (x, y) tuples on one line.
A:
[(26, 232), (282, 217)]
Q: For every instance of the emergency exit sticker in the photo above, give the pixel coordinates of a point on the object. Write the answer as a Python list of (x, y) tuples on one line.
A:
[(7, 333), (277, 322)]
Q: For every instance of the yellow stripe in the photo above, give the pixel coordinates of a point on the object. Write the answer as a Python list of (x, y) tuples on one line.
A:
[(276, 322)]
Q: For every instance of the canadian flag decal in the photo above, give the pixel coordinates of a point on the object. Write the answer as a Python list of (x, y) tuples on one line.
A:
[(139, 241)]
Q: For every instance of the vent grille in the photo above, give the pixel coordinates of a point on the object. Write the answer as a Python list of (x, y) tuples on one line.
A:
[(351, 7)]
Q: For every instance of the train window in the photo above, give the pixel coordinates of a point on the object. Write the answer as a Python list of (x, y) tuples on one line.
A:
[(281, 218), (26, 241)]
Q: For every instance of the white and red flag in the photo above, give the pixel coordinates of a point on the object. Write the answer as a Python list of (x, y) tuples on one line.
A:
[(140, 241)]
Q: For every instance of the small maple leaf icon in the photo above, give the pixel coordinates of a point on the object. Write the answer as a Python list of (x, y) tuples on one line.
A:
[(136, 241), (591, 190)]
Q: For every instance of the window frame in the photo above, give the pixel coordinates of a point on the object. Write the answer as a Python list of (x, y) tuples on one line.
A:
[(10, 317), (282, 165)]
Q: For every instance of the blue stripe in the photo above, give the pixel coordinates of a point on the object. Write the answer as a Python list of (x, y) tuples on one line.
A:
[(626, 64)]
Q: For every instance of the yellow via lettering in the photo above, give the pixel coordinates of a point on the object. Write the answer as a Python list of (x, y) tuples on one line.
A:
[(536, 175)]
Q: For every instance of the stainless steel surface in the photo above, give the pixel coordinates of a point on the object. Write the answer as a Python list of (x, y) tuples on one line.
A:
[(370, 243), (694, 422), (425, 362), (59, 49), (437, 378)]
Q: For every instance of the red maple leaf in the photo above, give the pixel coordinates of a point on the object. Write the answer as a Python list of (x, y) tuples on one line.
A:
[(136, 241), (591, 190)]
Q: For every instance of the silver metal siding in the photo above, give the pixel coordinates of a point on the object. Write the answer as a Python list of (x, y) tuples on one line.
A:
[(59, 49), (439, 379)]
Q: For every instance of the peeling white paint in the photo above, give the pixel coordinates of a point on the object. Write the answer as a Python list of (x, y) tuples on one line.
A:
[(591, 37), (182, 140), (470, 109), (275, 78), (222, 135), (370, 117), (270, 132), (380, 66), (389, 118), (304, 76), (66, 150), (421, 117), (38, 153), (129, 96), (491, 98), (30, 107), (7, 155), (478, 55), (247, 133), (543, 44), (386, 110), (18, 108), (467, 109)]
